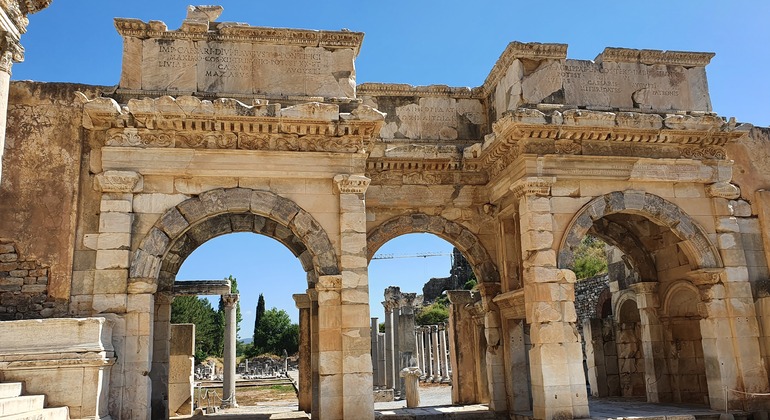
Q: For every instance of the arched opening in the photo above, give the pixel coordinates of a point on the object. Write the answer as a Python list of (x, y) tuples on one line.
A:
[(185, 227), (263, 268), (450, 352), (651, 244)]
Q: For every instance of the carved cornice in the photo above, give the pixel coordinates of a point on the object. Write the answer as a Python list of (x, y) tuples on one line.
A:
[(188, 122), (421, 171), (396, 89), (583, 132), (239, 32), (672, 58), (516, 50), (351, 184), (511, 304)]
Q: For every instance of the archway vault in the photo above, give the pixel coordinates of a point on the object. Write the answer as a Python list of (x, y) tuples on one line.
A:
[(454, 233), (181, 229), (642, 205)]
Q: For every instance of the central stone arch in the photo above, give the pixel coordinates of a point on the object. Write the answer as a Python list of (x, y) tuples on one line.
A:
[(181, 229), (454, 233)]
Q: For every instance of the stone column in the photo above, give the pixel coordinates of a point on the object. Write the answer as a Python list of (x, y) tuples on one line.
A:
[(656, 375), (421, 349), (357, 396), (417, 350), (305, 396), (381, 360), (374, 333), (428, 373), (594, 342), (444, 357), (228, 377), (556, 356), (461, 347), (389, 376), (406, 340), (434, 350)]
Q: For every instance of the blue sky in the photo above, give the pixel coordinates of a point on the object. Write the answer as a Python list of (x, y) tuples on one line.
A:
[(417, 42)]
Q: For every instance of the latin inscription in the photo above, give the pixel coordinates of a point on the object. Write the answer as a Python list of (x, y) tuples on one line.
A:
[(430, 114), (592, 78), (238, 62)]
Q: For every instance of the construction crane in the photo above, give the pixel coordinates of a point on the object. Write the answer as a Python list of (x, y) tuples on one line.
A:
[(419, 255)]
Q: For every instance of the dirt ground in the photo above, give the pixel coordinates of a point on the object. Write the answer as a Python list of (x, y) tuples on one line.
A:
[(250, 395)]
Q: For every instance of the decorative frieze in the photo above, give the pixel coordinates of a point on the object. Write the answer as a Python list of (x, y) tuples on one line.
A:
[(351, 184), (533, 186)]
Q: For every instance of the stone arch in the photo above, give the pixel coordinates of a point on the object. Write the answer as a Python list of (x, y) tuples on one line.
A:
[(452, 232), (695, 243), (681, 299), (182, 228), (622, 308), (603, 307)]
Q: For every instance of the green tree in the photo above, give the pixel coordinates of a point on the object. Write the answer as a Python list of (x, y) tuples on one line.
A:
[(434, 314), (194, 310), (590, 258), (260, 313), (275, 333)]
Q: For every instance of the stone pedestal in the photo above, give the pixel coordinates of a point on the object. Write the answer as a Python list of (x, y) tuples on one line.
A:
[(228, 380), (411, 377), (67, 360)]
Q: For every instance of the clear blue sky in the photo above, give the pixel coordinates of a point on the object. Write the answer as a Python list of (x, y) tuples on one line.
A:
[(416, 42)]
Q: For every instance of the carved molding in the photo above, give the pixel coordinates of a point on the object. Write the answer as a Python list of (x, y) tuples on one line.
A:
[(230, 299), (672, 58), (351, 184), (533, 186), (238, 32), (724, 190), (119, 182)]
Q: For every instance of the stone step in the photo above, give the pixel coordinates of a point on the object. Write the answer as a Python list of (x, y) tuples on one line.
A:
[(58, 413), (22, 404), (10, 389)]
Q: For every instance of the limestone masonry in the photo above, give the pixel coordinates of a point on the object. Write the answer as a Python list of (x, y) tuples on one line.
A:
[(219, 127)]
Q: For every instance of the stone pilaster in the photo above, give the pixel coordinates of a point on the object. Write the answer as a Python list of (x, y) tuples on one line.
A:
[(330, 354), (656, 374), (10, 51), (556, 357), (730, 334), (358, 400), (305, 396), (315, 375), (494, 354), (228, 377), (161, 354), (461, 347)]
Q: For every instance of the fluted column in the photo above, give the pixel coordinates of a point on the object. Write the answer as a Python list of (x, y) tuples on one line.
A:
[(434, 347), (421, 345), (305, 396), (228, 380)]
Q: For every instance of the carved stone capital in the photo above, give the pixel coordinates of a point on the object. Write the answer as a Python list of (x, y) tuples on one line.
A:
[(705, 276), (119, 182), (462, 297), (164, 298), (230, 299), (11, 52), (352, 184), (724, 190), (407, 300), (301, 300), (532, 186)]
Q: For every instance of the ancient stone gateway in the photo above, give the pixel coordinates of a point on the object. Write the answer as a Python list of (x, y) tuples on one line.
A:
[(281, 141)]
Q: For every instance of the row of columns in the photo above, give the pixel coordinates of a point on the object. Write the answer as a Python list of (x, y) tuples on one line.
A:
[(432, 353)]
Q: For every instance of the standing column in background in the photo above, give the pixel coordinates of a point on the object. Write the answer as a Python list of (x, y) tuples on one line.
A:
[(305, 396), (374, 333), (228, 380), (443, 357), (389, 376), (435, 350)]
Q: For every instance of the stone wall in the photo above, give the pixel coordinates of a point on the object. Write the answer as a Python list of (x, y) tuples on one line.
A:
[(24, 287), (459, 274), (587, 293)]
